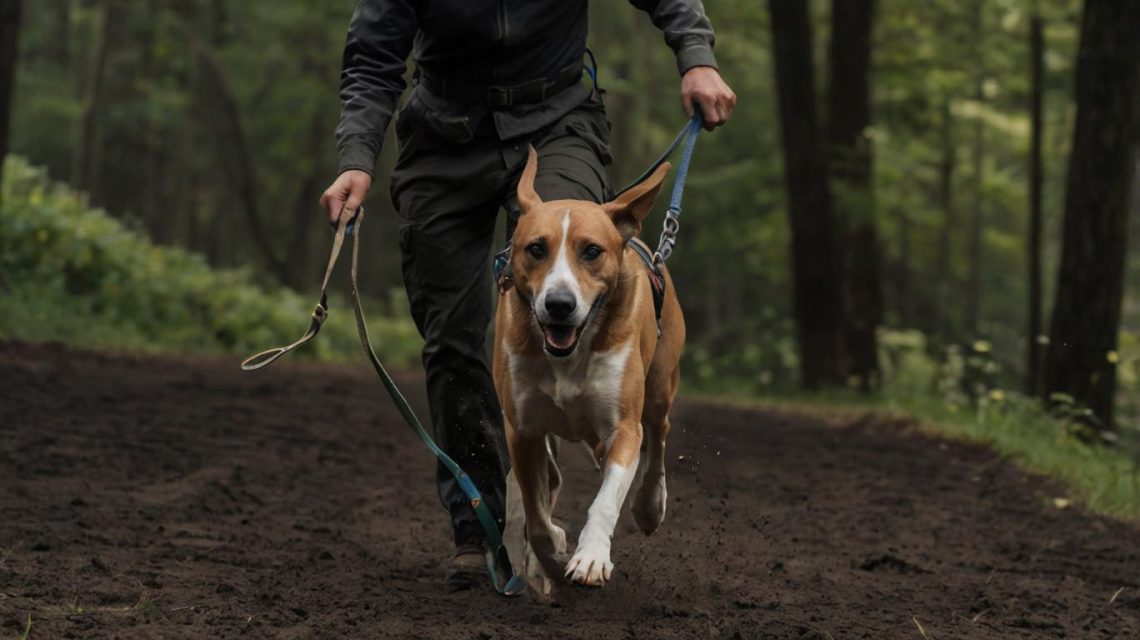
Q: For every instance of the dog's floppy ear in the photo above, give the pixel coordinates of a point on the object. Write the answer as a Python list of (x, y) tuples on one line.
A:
[(528, 197), (631, 207)]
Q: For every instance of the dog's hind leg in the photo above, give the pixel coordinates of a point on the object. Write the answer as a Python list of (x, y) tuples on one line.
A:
[(514, 527), (553, 473), (649, 503), (543, 539)]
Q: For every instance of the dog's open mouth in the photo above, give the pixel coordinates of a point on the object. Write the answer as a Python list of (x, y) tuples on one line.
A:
[(560, 340)]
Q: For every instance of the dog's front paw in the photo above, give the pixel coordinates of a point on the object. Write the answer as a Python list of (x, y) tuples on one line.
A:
[(591, 564)]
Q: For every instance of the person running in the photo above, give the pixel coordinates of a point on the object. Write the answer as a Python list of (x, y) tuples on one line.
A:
[(490, 79)]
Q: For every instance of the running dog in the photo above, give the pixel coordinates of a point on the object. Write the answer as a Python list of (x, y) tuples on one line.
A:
[(582, 353)]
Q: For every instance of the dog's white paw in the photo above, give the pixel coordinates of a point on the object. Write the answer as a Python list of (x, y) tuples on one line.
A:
[(649, 506), (591, 564)]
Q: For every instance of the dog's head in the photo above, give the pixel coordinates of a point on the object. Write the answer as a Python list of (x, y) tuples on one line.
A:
[(566, 254)]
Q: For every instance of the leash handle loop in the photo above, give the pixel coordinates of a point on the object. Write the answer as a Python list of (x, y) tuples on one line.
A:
[(267, 357)]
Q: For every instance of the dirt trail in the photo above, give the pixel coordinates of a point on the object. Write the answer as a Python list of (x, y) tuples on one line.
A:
[(147, 497)]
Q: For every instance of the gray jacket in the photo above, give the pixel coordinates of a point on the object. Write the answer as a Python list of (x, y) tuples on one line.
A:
[(478, 43)]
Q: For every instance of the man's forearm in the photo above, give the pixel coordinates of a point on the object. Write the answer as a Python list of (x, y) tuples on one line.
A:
[(687, 30), (375, 53)]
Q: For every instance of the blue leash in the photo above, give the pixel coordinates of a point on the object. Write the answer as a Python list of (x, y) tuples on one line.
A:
[(687, 135), (502, 575)]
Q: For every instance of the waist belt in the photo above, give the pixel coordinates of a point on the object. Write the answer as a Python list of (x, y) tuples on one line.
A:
[(497, 97)]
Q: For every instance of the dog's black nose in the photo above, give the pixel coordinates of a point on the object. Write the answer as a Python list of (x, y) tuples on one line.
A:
[(560, 304)]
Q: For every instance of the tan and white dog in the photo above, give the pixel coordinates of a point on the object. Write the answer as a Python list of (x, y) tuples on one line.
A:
[(578, 355)]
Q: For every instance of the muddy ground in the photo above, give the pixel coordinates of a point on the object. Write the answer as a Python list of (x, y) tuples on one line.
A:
[(145, 497)]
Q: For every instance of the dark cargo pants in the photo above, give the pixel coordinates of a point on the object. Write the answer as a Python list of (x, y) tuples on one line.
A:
[(448, 186)]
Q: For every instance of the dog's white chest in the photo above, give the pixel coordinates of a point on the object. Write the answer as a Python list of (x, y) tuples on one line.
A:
[(572, 397)]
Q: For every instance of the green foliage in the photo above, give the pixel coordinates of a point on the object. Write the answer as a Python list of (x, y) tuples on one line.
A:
[(79, 276)]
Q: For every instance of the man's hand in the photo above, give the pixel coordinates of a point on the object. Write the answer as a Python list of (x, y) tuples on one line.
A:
[(346, 192), (704, 86)]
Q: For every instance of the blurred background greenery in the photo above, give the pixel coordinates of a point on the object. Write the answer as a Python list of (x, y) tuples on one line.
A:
[(189, 141)]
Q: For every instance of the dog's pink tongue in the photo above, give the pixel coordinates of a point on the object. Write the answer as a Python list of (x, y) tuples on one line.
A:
[(560, 338)]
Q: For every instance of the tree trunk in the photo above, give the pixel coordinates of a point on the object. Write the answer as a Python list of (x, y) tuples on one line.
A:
[(161, 221), (902, 300), (85, 160), (974, 283), (849, 115), (816, 261), (1090, 282), (241, 158), (9, 50), (1033, 349), (945, 275), (300, 277), (61, 33)]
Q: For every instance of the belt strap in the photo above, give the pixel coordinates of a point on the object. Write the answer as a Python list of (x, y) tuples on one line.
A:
[(498, 564), (499, 96)]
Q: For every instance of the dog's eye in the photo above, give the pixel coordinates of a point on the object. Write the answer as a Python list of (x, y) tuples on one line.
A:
[(592, 253), (536, 250)]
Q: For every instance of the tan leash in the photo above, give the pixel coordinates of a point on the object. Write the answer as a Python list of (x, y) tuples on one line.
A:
[(498, 564)]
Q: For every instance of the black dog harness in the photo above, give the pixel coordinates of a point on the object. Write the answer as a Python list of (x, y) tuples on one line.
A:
[(656, 278)]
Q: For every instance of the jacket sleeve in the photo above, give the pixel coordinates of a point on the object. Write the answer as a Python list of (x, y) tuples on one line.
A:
[(687, 30), (379, 40)]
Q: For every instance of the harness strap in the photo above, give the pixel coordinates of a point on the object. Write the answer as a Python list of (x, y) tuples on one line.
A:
[(498, 564), (656, 278)]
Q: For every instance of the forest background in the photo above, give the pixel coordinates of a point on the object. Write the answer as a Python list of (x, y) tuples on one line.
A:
[(883, 220)]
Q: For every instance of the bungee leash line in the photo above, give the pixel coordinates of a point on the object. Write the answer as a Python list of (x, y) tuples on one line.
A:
[(687, 135), (502, 575)]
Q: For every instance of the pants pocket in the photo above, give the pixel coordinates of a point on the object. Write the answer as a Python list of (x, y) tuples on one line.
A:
[(409, 126), (591, 126)]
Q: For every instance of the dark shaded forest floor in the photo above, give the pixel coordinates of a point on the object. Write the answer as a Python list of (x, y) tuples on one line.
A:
[(147, 497)]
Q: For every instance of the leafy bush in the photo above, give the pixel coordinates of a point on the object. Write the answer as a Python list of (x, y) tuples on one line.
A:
[(79, 276)]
